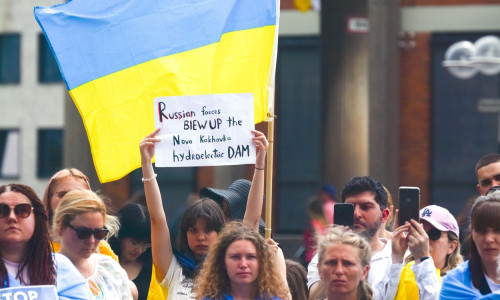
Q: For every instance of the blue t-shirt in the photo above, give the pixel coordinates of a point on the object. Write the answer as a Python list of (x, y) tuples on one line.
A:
[(70, 284), (457, 285)]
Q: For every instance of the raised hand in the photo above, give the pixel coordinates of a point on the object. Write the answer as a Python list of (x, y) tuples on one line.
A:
[(399, 243), (418, 241), (147, 146), (261, 145)]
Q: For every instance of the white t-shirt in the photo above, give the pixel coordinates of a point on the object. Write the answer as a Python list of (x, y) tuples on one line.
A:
[(13, 267), (494, 287), (109, 280), (179, 286)]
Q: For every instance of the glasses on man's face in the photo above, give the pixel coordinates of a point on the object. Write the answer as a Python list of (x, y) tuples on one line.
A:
[(22, 210), (434, 234), (84, 233)]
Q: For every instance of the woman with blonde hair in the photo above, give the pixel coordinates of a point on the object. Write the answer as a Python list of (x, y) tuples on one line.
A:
[(435, 250), (62, 182), (242, 265), (81, 222), (344, 262)]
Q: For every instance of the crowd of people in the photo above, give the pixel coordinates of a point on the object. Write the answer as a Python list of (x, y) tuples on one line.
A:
[(68, 245)]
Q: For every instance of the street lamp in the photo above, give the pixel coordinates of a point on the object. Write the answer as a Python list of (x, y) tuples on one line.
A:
[(464, 59)]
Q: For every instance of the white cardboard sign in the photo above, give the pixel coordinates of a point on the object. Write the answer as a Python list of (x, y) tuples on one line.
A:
[(204, 130)]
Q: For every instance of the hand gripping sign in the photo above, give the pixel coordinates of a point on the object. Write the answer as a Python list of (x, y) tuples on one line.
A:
[(204, 130)]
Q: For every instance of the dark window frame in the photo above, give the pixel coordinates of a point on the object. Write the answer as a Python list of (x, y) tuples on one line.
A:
[(10, 62)]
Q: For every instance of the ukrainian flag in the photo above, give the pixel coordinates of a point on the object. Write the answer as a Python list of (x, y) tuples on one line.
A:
[(116, 56)]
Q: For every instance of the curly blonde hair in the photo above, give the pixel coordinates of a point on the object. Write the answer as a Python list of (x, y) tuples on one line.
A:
[(78, 202), (213, 280)]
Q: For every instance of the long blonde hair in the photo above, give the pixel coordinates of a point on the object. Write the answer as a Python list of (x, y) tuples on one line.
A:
[(213, 280), (337, 236), (78, 202)]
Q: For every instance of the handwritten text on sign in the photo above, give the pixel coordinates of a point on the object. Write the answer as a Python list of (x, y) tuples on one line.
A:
[(204, 130)]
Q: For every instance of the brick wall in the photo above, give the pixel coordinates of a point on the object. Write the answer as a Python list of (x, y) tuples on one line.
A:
[(415, 118)]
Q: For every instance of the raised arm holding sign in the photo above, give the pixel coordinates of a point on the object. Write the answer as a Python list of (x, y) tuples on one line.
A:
[(199, 225)]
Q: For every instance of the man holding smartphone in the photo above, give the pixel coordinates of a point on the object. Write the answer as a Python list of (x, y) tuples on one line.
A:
[(370, 210)]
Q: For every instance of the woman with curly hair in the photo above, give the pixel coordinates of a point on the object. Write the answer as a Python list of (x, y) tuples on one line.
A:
[(200, 224), (26, 253), (344, 262), (242, 265)]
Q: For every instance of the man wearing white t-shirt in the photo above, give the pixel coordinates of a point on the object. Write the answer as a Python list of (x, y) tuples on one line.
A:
[(370, 211)]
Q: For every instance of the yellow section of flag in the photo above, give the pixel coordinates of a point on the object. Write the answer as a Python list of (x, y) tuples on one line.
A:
[(124, 100)]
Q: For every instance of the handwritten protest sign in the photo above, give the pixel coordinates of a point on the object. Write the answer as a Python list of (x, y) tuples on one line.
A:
[(38, 292), (204, 130)]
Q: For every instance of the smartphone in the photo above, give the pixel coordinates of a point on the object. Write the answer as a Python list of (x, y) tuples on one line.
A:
[(343, 214), (409, 204)]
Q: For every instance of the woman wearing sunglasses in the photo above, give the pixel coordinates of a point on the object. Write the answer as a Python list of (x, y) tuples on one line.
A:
[(434, 250), (62, 182), (81, 222), (27, 258)]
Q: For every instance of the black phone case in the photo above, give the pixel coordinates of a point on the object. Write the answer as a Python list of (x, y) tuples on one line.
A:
[(343, 214), (409, 202)]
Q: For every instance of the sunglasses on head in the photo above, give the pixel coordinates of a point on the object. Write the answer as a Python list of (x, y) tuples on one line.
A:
[(22, 210), (434, 234), (84, 233)]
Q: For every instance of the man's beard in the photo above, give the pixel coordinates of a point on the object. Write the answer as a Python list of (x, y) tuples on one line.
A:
[(370, 231)]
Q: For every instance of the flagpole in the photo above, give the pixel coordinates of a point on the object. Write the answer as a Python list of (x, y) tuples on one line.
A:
[(270, 128), (269, 177)]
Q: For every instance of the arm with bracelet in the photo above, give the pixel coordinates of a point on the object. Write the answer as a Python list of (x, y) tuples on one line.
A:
[(256, 193)]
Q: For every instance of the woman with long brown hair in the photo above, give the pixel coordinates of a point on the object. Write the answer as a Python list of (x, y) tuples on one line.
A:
[(477, 277), (27, 257)]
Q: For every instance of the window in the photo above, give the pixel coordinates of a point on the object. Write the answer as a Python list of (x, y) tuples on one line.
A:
[(10, 49), (50, 150), (48, 71), (9, 153)]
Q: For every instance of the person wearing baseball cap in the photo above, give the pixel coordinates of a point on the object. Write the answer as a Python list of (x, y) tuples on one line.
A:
[(434, 250)]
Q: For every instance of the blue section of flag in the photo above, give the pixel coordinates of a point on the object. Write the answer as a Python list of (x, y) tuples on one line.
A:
[(90, 38)]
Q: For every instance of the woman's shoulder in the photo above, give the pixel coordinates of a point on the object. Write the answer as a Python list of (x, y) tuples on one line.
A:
[(62, 262), (460, 270), (105, 248)]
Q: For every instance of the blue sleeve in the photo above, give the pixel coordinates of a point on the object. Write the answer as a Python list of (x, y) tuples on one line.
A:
[(70, 283), (457, 285)]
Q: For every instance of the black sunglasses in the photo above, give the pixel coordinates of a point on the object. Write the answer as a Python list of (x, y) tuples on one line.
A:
[(434, 234), (84, 233), (22, 210)]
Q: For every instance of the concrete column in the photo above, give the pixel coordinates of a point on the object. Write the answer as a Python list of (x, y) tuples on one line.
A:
[(345, 92), (384, 92)]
